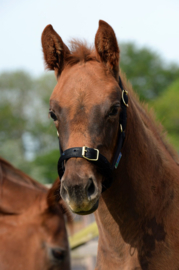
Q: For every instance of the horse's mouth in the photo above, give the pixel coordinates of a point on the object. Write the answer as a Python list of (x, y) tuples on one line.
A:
[(95, 206)]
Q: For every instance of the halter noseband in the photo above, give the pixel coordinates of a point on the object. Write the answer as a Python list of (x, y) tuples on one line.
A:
[(93, 155)]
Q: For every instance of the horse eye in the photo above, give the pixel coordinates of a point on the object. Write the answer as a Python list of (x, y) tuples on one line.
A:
[(113, 112), (58, 254), (53, 116)]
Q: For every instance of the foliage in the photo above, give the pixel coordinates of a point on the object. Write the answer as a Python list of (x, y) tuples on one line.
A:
[(146, 70), (25, 128), (166, 108), (44, 167)]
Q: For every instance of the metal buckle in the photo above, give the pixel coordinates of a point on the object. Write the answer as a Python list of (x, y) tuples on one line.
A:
[(121, 128), (84, 150), (124, 91)]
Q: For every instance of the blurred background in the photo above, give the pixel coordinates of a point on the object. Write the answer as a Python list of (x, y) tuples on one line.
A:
[(149, 42)]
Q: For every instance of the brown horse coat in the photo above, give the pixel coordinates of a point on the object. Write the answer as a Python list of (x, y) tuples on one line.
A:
[(139, 212), (14, 184), (32, 224)]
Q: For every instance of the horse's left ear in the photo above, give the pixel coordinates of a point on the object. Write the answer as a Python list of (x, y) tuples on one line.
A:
[(54, 49), (55, 202), (107, 47), (53, 196)]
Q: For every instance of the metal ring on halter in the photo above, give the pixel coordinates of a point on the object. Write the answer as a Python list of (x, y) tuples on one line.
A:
[(124, 91), (121, 128), (57, 134)]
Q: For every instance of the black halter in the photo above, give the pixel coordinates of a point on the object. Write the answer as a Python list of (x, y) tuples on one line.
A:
[(93, 155)]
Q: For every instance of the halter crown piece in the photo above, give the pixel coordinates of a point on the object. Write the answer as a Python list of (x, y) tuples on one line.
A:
[(93, 155)]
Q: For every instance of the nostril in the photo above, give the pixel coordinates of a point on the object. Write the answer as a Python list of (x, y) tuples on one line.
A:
[(58, 254), (90, 189)]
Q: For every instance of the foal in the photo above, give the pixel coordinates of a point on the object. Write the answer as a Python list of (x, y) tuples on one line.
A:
[(138, 213), (32, 224)]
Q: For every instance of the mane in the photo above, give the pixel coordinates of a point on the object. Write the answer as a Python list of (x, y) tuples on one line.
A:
[(149, 119), (80, 52)]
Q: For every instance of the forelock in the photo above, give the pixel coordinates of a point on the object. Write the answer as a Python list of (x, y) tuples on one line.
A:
[(80, 52)]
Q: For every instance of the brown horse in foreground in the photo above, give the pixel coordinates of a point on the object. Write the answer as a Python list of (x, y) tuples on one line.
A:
[(32, 224), (139, 212)]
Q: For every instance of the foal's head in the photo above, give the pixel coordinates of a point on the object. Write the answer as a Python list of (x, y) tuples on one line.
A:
[(85, 107), (37, 238)]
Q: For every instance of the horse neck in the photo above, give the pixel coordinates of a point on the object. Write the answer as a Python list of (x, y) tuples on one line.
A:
[(142, 193), (111, 243), (148, 170)]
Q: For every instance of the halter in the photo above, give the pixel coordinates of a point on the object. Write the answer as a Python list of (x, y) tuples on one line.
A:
[(93, 155)]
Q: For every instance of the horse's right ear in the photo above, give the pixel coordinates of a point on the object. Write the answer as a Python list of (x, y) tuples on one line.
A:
[(107, 47), (55, 51)]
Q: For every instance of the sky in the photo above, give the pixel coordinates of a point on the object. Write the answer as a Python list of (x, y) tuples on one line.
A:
[(153, 23)]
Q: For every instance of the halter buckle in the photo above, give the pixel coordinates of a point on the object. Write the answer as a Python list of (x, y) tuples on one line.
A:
[(124, 92), (85, 150)]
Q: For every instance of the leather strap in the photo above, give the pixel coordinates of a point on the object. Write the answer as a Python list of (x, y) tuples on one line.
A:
[(90, 154)]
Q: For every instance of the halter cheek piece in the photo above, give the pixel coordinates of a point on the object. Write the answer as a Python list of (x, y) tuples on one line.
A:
[(93, 155)]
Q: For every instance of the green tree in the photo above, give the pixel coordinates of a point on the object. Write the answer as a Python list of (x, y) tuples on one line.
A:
[(25, 128), (166, 108), (45, 166), (148, 73)]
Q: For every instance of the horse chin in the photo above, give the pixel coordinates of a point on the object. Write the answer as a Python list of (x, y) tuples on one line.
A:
[(95, 206)]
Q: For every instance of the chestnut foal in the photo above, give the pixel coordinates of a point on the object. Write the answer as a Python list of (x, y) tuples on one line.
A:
[(98, 122), (33, 234)]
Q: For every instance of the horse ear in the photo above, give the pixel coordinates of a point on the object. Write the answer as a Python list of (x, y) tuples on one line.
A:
[(107, 47), (54, 50), (53, 196), (55, 202)]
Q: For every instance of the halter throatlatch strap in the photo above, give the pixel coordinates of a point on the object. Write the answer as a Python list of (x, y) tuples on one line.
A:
[(93, 155)]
